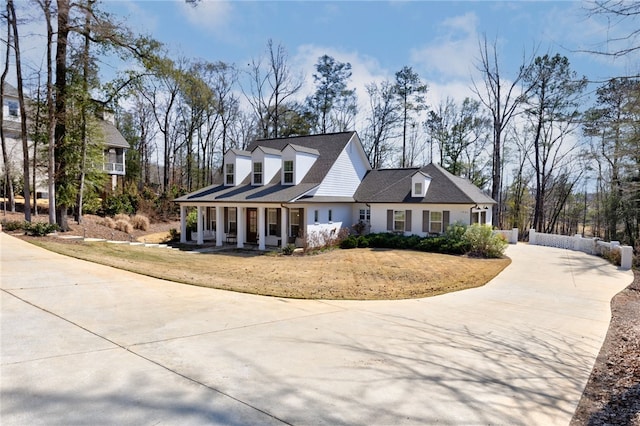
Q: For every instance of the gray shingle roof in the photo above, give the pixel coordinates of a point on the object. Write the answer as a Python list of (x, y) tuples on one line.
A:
[(328, 147), (394, 186), (112, 136)]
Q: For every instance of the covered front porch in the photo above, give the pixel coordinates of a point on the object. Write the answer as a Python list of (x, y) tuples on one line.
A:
[(241, 224)]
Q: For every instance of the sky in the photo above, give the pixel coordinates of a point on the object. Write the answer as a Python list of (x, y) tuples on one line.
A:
[(438, 39)]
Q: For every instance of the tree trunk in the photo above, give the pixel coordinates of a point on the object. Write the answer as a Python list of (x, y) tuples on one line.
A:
[(23, 113), (5, 156), (61, 93)]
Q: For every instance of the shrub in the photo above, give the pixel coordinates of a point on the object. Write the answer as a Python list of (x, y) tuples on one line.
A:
[(122, 203), (39, 229), (13, 225), (174, 234), (613, 256), (288, 249), (108, 222), (454, 241), (192, 221), (483, 242), (121, 216), (124, 226), (431, 244), (140, 221), (349, 243), (363, 242)]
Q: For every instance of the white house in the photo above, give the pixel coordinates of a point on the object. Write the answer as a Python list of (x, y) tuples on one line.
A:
[(281, 190), (115, 145)]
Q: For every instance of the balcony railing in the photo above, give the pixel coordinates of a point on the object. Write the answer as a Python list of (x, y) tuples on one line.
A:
[(113, 168)]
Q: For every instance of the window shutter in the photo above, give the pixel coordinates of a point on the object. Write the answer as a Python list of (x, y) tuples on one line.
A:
[(278, 222), (407, 220), (425, 220), (483, 218), (389, 220), (226, 219), (445, 220)]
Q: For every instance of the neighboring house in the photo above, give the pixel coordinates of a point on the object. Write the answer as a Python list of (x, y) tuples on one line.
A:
[(280, 191), (115, 145)]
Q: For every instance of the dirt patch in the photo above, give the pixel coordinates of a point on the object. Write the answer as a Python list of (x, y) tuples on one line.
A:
[(612, 394)]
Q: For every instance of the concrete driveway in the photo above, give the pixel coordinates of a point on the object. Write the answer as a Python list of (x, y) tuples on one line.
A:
[(88, 344)]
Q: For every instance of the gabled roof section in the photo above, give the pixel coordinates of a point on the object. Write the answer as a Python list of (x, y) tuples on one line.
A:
[(267, 150), (112, 136), (304, 149), (328, 148), (240, 153), (394, 186), (10, 90)]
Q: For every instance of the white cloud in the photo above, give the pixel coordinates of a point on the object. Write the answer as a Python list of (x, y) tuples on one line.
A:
[(209, 15), (452, 53)]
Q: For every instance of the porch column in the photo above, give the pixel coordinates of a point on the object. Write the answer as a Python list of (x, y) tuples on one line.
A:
[(183, 223), (283, 227), (261, 233), (240, 212), (200, 227), (219, 225)]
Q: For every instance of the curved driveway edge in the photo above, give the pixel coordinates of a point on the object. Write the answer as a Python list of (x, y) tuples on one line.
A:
[(85, 343)]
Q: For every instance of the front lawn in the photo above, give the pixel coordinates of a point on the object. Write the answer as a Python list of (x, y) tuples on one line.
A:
[(364, 274)]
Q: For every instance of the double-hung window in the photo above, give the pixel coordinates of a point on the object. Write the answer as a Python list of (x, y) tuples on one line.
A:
[(257, 173), (228, 172), (365, 215), (13, 108), (435, 222), (272, 221), (288, 172), (294, 222), (233, 218), (398, 220)]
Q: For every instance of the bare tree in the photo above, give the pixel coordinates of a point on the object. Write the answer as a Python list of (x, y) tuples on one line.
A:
[(502, 98), (271, 86), (552, 110), (382, 122)]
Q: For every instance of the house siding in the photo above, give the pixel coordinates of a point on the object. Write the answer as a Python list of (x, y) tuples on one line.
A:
[(345, 175), (342, 215), (380, 215)]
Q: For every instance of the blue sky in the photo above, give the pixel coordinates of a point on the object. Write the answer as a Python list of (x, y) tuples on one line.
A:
[(438, 39)]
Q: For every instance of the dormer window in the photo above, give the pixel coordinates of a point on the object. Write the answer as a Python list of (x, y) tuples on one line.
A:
[(257, 173), (288, 172), (229, 174), (417, 189)]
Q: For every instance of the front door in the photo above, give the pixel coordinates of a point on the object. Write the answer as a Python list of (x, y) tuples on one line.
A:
[(252, 225)]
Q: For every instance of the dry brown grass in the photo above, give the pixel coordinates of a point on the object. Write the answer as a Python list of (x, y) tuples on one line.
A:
[(338, 274)]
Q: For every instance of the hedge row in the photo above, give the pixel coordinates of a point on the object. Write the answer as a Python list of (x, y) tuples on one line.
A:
[(475, 240)]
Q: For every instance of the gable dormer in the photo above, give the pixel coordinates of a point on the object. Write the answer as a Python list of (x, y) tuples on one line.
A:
[(237, 166), (266, 163), (296, 163), (420, 184)]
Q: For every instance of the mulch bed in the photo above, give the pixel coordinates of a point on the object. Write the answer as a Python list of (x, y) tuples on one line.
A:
[(612, 395)]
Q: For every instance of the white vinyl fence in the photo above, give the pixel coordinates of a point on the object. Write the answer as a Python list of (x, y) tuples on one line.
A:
[(510, 235), (586, 245)]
